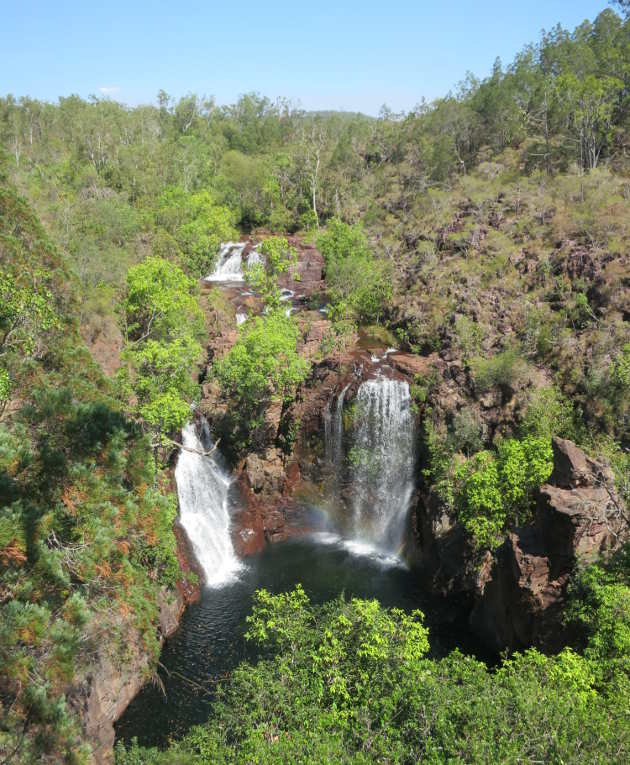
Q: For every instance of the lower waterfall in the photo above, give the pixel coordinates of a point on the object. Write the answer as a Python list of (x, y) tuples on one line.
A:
[(380, 461), (203, 487)]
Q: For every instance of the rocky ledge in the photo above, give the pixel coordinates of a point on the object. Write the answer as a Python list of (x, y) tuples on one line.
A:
[(579, 516)]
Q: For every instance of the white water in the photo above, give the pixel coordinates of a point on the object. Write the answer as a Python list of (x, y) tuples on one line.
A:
[(203, 488), (241, 318), (229, 267), (383, 462), (254, 258), (333, 430), (358, 549)]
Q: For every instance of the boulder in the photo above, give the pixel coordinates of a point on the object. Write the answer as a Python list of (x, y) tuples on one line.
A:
[(255, 471)]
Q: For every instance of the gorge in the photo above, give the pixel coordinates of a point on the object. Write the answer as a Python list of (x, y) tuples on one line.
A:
[(315, 425), (360, 534)]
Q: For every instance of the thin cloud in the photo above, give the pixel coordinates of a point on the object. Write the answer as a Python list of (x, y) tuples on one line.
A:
[(109, 90)]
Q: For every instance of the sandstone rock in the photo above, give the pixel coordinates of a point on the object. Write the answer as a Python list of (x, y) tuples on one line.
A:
[(572, 468), (255, 471), (102, 693), (578, 516), (410, 365)]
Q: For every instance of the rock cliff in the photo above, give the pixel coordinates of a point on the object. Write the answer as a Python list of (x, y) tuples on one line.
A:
[(579, 517)]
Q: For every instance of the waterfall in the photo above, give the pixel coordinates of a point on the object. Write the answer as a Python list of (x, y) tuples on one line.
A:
[(203, 487), (333, 430), (254, 258), (229, 267), (229, 264), (382, 462)]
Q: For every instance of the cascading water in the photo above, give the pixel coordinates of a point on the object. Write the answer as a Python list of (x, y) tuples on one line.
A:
[(333, 430), (254, 258), (382, 462), (203, 488), (229, 267)]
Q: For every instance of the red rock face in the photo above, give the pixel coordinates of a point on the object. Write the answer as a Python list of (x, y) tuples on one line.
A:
[(190, 592), (579, 516), (309, 270)]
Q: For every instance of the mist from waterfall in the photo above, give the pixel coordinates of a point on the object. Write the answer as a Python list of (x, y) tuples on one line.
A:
[(203, 487), (380, 461)]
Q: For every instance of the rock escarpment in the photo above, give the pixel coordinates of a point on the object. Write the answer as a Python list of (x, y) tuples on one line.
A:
[(103, 690), (579, 516)]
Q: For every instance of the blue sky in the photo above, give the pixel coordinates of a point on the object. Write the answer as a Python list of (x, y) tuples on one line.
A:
[(325, 55)]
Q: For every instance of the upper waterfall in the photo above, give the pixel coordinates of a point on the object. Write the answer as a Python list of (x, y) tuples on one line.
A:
[(203, 489), (229, 266)]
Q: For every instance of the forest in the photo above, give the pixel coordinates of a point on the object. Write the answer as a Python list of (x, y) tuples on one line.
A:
[(485, 236)]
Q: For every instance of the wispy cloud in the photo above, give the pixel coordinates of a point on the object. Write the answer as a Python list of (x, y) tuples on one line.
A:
[(109, 90)]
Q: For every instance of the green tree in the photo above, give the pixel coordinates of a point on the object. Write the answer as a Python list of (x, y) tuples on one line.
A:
[(160, 303), (359, 284), (164, 324), (263, 277), (495, 490), (264, 364), (590, 104), (198, 225)]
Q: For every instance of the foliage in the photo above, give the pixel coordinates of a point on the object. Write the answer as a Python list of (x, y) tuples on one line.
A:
[(498, 489), (599, 607), (160, 303), (341, 241), (197, 224), (164, 324), (264, 364), (349, 681), (359, 284), (506, 370), (263, 278), (548, 414), (86, 538)]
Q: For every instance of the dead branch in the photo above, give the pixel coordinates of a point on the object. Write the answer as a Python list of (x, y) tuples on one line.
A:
[(190, 448)]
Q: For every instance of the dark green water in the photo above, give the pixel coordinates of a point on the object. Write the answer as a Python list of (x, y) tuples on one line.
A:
[(209, 642)]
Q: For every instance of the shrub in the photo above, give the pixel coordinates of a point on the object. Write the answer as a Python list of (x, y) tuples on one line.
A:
[(359, 284), (262, 365), (507, 371), (498, 489)]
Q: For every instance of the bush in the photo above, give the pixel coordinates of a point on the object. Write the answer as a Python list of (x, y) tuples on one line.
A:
[(350, 682), (507, 371), (495, 490), (359, 285), (263, 364)]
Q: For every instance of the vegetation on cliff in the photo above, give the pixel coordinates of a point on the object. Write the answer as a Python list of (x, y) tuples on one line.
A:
[(86, 524)]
